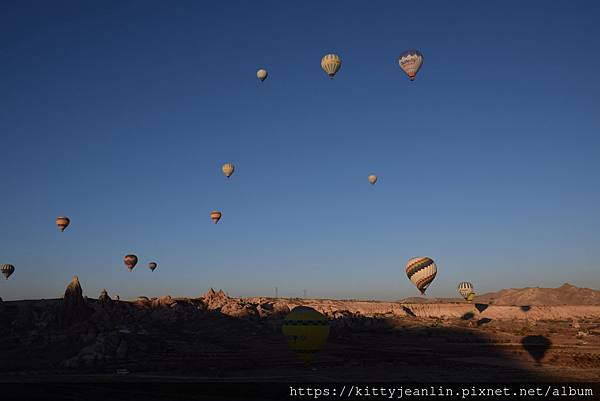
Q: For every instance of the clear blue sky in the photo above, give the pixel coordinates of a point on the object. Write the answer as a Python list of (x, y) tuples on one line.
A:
[(119, 115)]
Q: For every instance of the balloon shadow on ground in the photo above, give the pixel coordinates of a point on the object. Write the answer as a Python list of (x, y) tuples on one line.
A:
[(468, 316), (525, 308), (481, 307), (408, 311), (536, 346), (483, 321)]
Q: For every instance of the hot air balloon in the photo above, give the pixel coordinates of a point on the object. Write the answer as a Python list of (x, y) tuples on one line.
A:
[(262, 74), (372, 179), (228, 169), (152, 265), (331, 63), (306, 331), (130, 261), (465, 289), (7, 270), (411, 61), (215, 216), (421, 271), (62, 222)]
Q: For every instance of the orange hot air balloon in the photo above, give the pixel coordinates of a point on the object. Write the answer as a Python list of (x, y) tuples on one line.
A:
[(62, 222), (228, 169), (215, 216)]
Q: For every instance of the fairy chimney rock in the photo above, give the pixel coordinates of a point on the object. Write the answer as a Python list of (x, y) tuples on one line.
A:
[(73, 293), (216, 300), (104, 297)]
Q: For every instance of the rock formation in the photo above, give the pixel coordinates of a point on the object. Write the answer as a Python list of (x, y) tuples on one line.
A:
[(104, 297), (163, 302), (73, 294), (239, 309), (216, 300), (74, 307), (566, 294)]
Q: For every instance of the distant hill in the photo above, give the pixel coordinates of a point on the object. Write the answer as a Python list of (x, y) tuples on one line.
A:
[(566, 294)]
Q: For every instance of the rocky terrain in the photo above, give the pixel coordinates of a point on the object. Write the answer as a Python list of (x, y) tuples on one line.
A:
[(215, 337), (566, 294)]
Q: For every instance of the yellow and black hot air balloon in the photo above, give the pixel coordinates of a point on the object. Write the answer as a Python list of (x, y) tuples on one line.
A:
[(130, 261), (7, 270), (215, 216), (262, 74), (411, 61), (331, 64), (465, 289), (228, 169), (372, 179), (62, 222), (306, 331), (152, 265), (421, 271)]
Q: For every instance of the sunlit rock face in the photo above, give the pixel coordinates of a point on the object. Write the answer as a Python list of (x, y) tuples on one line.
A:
[(216, 300)]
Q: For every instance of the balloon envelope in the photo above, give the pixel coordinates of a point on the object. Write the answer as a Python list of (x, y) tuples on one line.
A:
[(262, 74), (7, 270), (464, 289), (228, 169), (411, 61), (331, 64), (372, 179), (152, 265), (215, 216), (130, 261), (62, 222), (421, 271), (306, 331)]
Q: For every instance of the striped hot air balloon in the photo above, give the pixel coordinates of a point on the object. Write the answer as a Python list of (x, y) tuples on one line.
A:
[(306, 331), (130, 261), (421, 271), (372, 179), (262, 74), (331, 64), (465, 289), (152, 265), (62, 222), (7, 270), (228, 169), (215, 216), (411, 61)]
